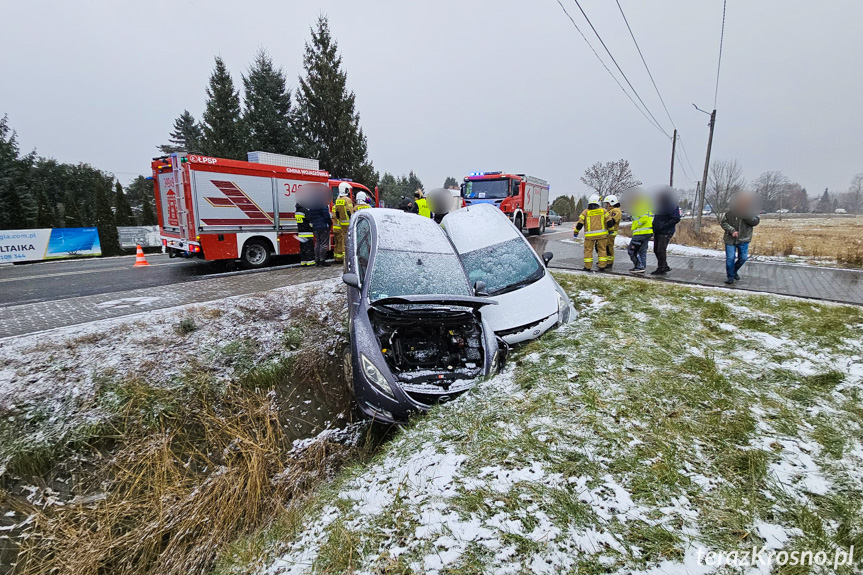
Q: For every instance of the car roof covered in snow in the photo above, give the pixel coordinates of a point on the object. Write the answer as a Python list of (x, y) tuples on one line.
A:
[(478, 226), (405, 232)]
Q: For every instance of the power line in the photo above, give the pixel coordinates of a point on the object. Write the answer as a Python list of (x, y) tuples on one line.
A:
[(719, 64), (592, 27), (601, 61), (685, 153), (646, 67)]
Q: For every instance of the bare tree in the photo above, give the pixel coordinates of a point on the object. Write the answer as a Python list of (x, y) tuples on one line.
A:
[(854, 197), (773, 187), (725, 180), (610, 177)]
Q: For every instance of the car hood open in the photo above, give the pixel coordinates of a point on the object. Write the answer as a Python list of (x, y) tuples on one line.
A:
[(459, 300)]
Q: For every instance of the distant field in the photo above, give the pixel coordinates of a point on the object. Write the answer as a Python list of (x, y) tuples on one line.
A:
[(836, 240)]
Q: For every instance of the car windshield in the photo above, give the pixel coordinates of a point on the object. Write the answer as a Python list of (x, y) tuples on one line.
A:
[(503, 267), (398, 273), (486, 189)]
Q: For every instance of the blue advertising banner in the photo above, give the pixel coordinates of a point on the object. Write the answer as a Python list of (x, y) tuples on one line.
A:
[(45, 244)]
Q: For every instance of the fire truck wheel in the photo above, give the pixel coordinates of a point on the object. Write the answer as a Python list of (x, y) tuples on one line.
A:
[(256, 254), (540, 230), (518, 222)]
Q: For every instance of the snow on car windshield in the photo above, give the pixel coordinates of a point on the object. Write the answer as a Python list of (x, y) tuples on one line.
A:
[(398, 273), (476, 227), (503, 266), (410, 232)]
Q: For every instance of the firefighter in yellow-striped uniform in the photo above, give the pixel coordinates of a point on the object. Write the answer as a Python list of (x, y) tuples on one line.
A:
[(362, 201), (306, 236), (594, 221), (615, 215), (343, 208)]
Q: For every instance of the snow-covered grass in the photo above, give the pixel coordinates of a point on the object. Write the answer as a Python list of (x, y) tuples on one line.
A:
[(62, 386), (147, 444), (664, 421)]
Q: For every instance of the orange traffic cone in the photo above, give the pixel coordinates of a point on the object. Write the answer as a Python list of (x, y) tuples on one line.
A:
[(140, 260)]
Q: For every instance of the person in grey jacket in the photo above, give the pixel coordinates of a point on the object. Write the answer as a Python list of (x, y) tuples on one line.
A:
[(738, 222)]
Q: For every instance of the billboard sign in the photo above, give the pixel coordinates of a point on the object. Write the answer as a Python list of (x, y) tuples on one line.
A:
[(46, 244), (144, 236)]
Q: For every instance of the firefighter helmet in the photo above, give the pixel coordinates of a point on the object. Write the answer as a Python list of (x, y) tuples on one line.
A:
[(362, 198), (593, 199), (612, 199), (344, 189)]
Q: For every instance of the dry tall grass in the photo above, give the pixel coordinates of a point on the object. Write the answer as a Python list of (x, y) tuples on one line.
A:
[(215, 466)]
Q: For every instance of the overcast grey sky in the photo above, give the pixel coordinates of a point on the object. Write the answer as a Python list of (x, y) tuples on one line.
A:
[(455, 86)]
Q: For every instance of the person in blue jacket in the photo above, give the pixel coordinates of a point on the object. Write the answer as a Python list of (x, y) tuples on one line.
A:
[(665, 221)]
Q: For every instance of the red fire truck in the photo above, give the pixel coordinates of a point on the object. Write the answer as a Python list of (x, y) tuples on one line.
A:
[(523, 198), (218, 209)]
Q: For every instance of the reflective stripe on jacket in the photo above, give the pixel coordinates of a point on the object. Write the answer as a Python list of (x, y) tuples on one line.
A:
[(593, 221), (361, 206), (643, 225), (342, 210), (423, 208)]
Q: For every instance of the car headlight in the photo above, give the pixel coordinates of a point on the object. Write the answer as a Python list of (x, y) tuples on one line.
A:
[(375, 377), (562, 308)]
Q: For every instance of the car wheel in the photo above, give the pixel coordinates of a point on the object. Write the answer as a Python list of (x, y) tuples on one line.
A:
[(256, 254), (348, 367)]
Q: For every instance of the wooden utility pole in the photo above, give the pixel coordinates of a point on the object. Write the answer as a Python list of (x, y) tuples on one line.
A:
[(673, 144), (704, 178)]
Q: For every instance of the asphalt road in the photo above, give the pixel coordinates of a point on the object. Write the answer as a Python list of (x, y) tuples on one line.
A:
[(57, 280), (51, 281)]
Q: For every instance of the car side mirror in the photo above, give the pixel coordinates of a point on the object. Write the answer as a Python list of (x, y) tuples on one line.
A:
[(351, 279), (546, 257), (480, 289)]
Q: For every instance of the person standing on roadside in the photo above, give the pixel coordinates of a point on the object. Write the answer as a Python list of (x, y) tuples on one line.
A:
[(642, 231), (738, 222), (594, 220), (664, 225), (615, 215)]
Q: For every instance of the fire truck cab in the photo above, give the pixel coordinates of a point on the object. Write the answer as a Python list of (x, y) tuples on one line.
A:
[(523, 198)]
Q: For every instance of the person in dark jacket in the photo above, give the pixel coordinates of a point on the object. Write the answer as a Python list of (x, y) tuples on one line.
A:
[(306, 236), (665, 222), (321, 222), (738, 222)]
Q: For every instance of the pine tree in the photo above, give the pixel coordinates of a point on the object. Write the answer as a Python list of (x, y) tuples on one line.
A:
[(104, 220), (45, 217), (223, 136), (13, 214), (414, 183), (450, 182), (824, 203), (389, 190), (267, 118), (328, 124), (148, 216), (122, 210), (186, 136), (71, 217)]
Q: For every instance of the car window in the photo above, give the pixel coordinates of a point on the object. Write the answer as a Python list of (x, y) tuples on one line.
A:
[(503, 267), (398, 273), (364, 246)]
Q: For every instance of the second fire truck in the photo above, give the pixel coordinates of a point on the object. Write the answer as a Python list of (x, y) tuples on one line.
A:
[(523, 198)]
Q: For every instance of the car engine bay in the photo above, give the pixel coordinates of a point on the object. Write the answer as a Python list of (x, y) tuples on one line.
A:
[(437, 348)]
